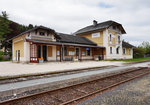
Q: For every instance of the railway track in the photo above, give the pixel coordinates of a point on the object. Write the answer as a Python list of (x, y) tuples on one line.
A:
[(75, 93)]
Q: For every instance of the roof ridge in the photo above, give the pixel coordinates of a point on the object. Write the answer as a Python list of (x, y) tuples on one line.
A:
[(98, 26)]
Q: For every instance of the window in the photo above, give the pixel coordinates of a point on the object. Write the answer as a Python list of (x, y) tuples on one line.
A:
[(42, 33), (119, 39), (65, 51), (129, 51), (110, 37), (117, 50), (83, 53), (57, 52), (124, 51), (110, 50), (114, 27), (88, 51), (71, 52)]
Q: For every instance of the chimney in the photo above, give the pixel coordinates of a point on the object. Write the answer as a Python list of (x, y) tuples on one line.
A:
[(94, 22)]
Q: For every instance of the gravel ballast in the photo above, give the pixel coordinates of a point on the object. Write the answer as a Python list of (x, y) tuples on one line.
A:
[(136, 92)]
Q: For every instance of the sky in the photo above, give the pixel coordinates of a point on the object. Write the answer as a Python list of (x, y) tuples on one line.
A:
[(67, 16)]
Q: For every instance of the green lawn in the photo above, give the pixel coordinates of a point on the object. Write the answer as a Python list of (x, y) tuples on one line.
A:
[(134, 60)]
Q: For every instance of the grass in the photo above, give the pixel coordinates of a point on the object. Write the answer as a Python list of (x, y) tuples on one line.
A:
[(5, 60), (134, 60)]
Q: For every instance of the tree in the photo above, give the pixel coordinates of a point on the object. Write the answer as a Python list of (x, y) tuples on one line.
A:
[(9, 29), (4, 28), (138, 52), (30, 26), (141, 50), (146, 46)]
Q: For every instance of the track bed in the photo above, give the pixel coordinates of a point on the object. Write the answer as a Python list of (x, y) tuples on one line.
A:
[(72, 94)]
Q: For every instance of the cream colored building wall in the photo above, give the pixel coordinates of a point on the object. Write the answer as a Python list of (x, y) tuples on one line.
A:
[(19, 43), (127, 55), (98, 40), (53, 53), (18, 46)]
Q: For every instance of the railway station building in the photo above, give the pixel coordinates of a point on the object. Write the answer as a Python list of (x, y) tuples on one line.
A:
[(99, 41)]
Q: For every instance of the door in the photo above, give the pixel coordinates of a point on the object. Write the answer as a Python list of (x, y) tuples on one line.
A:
[(45, 53), (34, 53), (39, 51), (18, 55), (77, 53)]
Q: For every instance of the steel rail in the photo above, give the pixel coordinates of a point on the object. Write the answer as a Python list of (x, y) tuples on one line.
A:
[(40, 93), (103, 89)]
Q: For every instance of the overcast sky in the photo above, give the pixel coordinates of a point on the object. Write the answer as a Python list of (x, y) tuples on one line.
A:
[(68, 16)]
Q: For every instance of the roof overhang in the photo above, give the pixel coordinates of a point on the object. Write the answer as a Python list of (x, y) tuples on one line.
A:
[(119, 26), (61, 44), (88, 32)]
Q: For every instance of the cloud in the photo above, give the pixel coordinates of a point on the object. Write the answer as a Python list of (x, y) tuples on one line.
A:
[(70, 15)]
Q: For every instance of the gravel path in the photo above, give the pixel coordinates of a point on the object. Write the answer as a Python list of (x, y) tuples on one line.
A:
[(136, 92)]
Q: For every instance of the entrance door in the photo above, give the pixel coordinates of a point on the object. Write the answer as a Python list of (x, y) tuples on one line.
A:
[(45, 53), (77, 53), (33, 53), (39, 51), (18, 55)]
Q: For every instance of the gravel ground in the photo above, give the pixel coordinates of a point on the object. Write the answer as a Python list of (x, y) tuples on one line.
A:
[(136, 92)]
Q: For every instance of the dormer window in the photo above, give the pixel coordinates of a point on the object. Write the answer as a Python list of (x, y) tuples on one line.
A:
[(42, 33), (114, 27)]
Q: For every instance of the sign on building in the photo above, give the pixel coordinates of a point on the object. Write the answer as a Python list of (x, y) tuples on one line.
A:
[(95, 35)]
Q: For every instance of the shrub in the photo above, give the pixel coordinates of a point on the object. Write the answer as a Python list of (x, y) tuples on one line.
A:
[(138, 52), (1, 53), (1, 58)]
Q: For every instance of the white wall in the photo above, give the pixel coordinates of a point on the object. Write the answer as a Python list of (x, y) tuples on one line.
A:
[(26, 51), (114, 55)]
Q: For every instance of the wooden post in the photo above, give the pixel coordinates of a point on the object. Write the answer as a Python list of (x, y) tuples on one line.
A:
[(80, 53), (60, 54), (30, 52), (102, 53), (37, 53), (93, 53)]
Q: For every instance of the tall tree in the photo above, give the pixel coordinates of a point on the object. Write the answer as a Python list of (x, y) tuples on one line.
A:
[(30, 26), (4, 28)]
